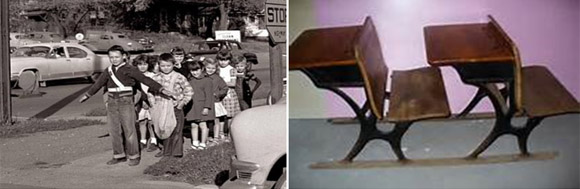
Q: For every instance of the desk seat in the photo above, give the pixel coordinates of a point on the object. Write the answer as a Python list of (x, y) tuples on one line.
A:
[(543, 95), (416, 95)]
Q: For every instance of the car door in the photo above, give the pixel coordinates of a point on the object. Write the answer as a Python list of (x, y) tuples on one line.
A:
[(59, 65), (80, 62)]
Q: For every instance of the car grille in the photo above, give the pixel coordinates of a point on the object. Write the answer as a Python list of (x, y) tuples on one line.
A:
[(244, 175)]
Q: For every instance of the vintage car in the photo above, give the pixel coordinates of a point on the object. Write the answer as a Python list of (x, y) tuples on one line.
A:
[(260, 139), (212, 47), (55, 61), (45, 37), (146, 42), (20, 39), (100, 41)]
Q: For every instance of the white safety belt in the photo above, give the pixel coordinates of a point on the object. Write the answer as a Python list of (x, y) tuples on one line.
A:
[(120, 87)]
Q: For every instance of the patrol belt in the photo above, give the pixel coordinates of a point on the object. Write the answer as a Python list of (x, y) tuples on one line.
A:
[(120, 94), (120, 87)]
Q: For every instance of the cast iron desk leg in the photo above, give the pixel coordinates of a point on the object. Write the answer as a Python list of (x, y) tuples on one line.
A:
[(479, 95), (369, 130), (502, 123)]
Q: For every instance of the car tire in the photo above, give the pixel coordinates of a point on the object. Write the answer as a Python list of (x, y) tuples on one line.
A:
[(281, 182), (27, 80)]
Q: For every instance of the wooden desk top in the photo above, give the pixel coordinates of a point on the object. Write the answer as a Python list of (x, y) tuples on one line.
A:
[(473, 43), (465, 43), (345, 46), (324, 47)]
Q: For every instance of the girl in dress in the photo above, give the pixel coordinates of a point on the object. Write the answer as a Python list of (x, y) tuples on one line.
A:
[(203, 103), (228, 74), (220, 90), (143, 117)]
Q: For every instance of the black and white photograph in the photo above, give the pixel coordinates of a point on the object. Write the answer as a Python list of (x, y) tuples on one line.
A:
[(143, 94)]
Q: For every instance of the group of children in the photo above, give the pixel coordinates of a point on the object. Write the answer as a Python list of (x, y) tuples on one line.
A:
[(206, 94)]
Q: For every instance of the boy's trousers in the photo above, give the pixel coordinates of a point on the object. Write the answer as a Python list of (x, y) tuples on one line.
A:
[(121, 120)]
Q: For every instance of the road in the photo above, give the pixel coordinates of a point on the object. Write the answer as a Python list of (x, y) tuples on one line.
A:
[(59, 99)]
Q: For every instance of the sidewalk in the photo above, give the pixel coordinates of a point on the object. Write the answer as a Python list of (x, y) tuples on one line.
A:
[(73, 158)]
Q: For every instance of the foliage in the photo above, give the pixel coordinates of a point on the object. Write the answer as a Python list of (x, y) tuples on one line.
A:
[(70, 16), (20, 128), (209, 166), (96, 112)]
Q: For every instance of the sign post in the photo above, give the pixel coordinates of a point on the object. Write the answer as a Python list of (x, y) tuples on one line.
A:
[(5, 103), (276, 25)]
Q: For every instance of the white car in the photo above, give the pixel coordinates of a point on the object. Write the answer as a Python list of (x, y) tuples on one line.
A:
[(260, 139), (55, 61)]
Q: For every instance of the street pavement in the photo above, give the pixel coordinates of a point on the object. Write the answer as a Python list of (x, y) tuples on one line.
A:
[(73, 158)]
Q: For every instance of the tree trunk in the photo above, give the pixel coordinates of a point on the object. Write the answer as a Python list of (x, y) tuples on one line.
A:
[(223, 17), (194, 23), (209, 25), (54, 19), (163, 27)]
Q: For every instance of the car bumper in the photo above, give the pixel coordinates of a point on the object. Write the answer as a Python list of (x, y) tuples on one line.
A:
[(238, 185), (239, 168), (13, 78)]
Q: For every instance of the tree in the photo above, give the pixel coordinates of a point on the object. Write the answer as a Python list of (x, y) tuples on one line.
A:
[(66, 14), (225, 7)]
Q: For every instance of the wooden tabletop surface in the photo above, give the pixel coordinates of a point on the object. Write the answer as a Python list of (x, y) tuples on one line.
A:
[(464, 44), (324, 47)]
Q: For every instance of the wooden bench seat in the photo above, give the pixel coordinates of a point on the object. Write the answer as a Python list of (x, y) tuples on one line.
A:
[(416, 95), (543, 95)]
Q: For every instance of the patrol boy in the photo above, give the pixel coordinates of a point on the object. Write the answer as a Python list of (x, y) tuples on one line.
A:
[(119, 78)]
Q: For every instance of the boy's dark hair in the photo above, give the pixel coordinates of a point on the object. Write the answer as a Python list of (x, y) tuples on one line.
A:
[(167, 58), (120, 49), (238, 59), (224, 54), (177, 51), (143, 59), (193, 65), (251, 58), (153, 59)]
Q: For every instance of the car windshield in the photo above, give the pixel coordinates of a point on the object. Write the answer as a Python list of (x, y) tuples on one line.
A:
[(120, 36), (35, 51)]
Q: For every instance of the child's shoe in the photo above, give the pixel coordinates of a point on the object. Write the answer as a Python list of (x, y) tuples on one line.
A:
[(143, 143), (153, 141), (202, 146), (195, 145)]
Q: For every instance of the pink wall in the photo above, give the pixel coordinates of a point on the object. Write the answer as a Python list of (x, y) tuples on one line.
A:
[(547, 32)]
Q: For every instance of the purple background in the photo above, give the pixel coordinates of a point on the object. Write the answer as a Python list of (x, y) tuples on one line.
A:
[(547, 32)]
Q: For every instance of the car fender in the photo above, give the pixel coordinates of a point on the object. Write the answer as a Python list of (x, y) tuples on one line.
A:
[(259, 136), (28, 66)]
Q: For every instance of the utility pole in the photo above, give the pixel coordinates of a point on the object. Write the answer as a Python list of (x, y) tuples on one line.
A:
[(276, 24), (5, 103)]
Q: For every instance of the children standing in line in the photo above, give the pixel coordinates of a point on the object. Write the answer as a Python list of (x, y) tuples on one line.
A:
[(230, 102), (244, 76), (143, 117), (203, 105), (163, 106), (220, 90)]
